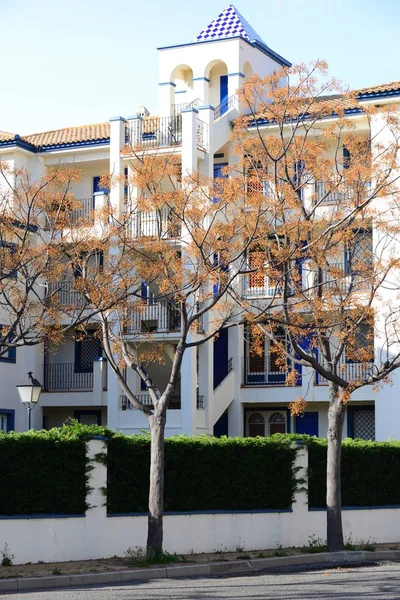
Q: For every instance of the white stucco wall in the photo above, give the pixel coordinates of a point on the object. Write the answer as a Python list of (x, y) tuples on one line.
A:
[(98, 536)]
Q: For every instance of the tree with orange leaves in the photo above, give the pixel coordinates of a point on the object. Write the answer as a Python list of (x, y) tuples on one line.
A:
[(324, 265)]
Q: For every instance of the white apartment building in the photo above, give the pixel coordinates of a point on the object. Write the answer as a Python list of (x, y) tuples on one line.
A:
[(223, 390)]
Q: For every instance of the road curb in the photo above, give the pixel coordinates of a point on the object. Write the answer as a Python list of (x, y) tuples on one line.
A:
[(237, 567)]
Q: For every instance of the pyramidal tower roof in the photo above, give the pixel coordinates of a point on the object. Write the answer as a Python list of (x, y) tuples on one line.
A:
[(228, 24)]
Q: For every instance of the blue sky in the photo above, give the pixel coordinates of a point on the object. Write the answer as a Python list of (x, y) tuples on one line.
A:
[(83, 61)]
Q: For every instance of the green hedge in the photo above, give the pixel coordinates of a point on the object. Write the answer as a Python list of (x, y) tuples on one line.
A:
[(203, 473), (370, 473), (45, 472)]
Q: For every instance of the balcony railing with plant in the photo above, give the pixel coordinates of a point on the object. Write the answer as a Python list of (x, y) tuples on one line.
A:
[(155, 132)]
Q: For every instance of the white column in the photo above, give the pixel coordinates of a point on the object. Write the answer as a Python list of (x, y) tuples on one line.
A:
[(166, 97), (300, 504), (188, 391), (99, 366), (96, 515), (113, 400), (235, 412), (117, 143), (189, 143), (206, 114), (206, 355)]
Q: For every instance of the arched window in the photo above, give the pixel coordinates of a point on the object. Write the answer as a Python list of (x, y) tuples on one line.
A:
[(277, 423), (256, 425)]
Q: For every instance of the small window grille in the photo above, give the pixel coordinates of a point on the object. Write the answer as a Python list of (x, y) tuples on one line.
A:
[(364, 424), (277, 423), (256, 425)]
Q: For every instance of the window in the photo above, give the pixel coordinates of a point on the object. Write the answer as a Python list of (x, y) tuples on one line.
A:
[(10, 355), (7, 417), (361, 344), (277, 423), (346, 158), (358, 257), (86, 350), (256, 279), (3, 422), (361, 422), (256, 425)]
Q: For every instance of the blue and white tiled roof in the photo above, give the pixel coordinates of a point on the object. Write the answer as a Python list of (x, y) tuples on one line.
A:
[(229, 23)]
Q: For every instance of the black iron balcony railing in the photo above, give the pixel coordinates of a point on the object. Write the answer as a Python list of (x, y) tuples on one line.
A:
[(155, 132), (162, 223), (257, 371), (178, 108), (350, 371), (84, 211), (153, 317), (144, 398), (66, 377), (225, 105)]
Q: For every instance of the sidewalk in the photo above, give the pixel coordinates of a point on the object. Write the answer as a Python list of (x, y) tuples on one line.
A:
[(206, 569)]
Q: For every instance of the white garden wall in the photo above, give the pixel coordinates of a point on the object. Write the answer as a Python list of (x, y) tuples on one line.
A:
[(99, 536)]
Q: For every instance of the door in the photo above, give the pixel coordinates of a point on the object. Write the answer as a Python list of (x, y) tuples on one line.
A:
[(308, 423), (224, 93), (220, 357), (218, 175)]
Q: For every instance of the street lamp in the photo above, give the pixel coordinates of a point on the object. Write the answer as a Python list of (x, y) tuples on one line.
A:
[(29, 392)]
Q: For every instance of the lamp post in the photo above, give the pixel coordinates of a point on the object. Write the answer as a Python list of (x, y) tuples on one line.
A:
[(29, 392)]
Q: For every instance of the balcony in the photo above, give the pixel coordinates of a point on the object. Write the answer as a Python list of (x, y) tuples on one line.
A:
[(126, 404), (161, 224), (65, 377), (153, 317), (267, 290), (258, 370), (85, 211), (339, 277), (155, 132), (350, 371), (65, 293)]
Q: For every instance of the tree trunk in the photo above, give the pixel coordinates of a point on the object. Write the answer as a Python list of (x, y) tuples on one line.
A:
[(156, 491), (333, 471)]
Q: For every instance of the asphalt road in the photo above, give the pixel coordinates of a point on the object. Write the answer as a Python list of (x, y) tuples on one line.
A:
[(370, 583)]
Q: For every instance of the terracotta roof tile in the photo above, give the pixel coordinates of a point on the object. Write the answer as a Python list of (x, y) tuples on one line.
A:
[(5, 136), (83, 133), (382, 87)]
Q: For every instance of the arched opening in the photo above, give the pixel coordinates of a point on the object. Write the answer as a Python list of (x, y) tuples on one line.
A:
[(277, 423), (182, 77), (217, 73), (256, 425), (247, 69)]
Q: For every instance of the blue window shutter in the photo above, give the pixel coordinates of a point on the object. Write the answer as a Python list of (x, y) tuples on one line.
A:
[(11, 421), (12, 354), (346, 158), (126, 183), (97, 187), (224, 93)]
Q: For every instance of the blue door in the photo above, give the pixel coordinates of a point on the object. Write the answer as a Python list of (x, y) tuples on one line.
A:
[(220, 357), (308, 423), (224, 93), (217, 175)]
